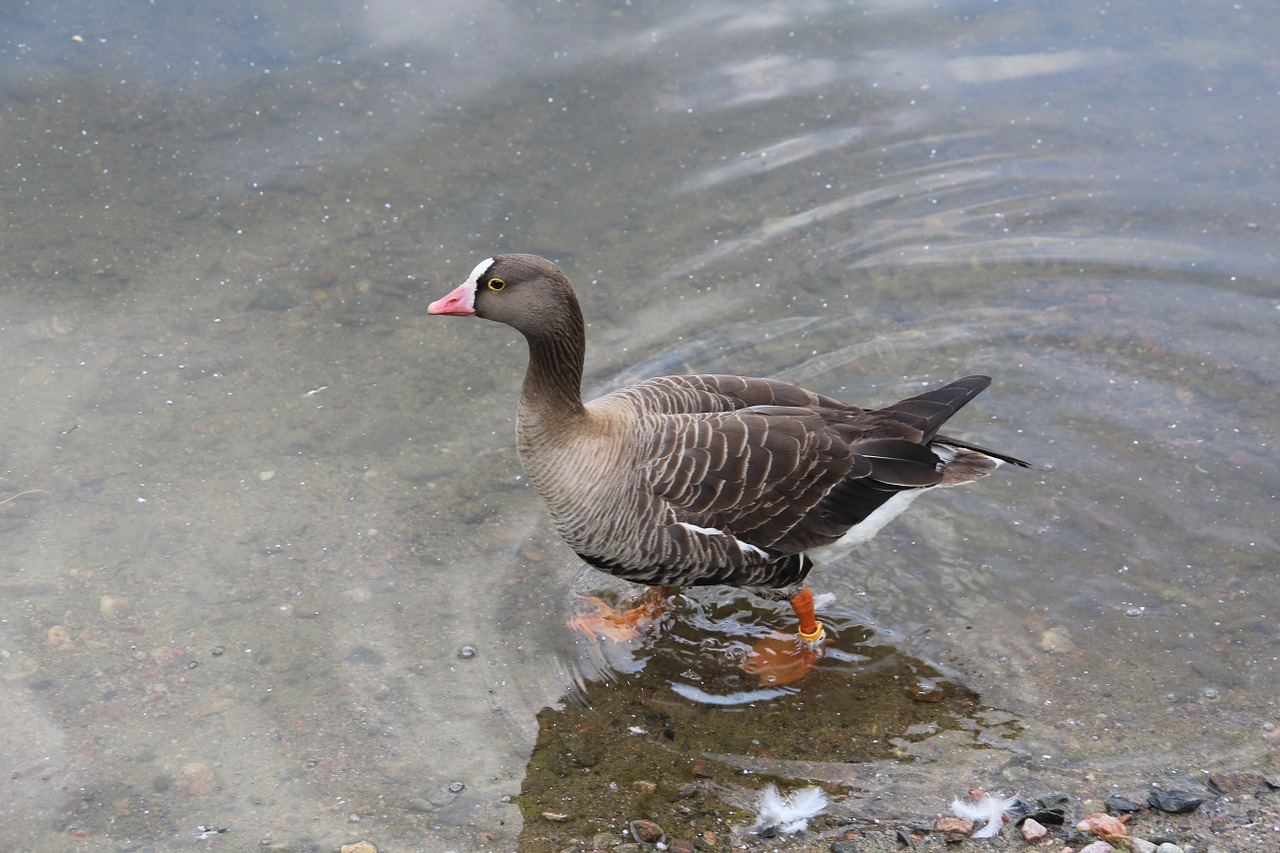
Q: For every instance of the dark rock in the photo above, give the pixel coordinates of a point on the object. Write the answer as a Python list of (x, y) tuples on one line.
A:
[(1175, 801), (1240, 784), (364, 655), (1117, 804), (273, 299), (843, 847), (1050, 809), (585, 757)]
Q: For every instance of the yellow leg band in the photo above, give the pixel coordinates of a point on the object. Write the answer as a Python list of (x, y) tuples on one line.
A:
[(816, 637)]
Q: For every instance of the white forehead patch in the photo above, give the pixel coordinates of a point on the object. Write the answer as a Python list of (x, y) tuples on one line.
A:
[(479, 271)]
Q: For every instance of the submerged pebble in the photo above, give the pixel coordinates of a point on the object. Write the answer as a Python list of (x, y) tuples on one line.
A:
[(646, 831), (1056, 639), (364, 655), (60, 638), (358, 847), (113, 606)]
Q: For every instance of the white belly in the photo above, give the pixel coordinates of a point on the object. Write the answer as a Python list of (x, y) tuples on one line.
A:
[(870, 526)]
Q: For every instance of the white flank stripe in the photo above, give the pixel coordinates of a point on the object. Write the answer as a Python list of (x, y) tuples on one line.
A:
[(744, 547)]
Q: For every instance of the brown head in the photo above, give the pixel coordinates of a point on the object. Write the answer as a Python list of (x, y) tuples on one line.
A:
[(531, 295), (526, 292)]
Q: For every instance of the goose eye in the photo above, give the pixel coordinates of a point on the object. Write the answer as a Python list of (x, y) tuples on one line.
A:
[(497, 284)]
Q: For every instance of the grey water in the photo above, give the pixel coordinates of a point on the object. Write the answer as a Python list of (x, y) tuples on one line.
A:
[(270, 572)]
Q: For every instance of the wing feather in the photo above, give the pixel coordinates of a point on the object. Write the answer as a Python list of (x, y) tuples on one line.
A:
[(750, 473)]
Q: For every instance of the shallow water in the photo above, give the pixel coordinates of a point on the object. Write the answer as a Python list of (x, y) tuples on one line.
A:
[(269, 563)]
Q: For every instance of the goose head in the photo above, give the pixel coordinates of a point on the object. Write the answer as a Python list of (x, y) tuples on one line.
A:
[(526, 292)]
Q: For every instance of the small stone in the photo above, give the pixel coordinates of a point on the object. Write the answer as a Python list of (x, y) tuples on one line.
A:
[(682, 846), (273, 298), (198, 778), (1142, 845), (1056, 639), (1175, 801), (113, 606), (60, 638), (1097, 847), (1033, 830), (845, 846), (1239, 784), (926, 690), (954, 828), (1117, 804), (585, 757), (359, 847), (1105, 826), (644, 786), (646, 831), (1167, 847)]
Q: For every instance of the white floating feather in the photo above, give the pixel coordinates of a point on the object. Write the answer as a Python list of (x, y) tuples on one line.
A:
[(988, 811), (789, 813)]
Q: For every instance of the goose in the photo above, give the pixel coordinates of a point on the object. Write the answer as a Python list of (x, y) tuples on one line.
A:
[(708, 479)]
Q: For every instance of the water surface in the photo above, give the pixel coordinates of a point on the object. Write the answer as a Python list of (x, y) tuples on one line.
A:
[(269, 563)]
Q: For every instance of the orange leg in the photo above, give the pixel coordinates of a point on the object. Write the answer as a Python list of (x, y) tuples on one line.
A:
[(784, 658), (621, 625)]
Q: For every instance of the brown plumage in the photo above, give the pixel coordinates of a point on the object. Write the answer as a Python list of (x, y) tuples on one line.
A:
[(709, 479)]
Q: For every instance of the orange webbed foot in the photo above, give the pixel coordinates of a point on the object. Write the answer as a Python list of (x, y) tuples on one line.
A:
[(784, 658), (620, 625)]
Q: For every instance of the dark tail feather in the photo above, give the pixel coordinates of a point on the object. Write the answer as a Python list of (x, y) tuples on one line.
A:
[(955, 442), (927, 412)]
